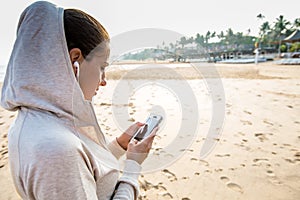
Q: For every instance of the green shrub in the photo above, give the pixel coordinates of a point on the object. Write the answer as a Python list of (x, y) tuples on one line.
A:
[(295, 47)]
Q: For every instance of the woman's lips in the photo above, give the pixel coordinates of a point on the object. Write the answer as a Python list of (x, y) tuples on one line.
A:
[(103, 83), (96, 91)]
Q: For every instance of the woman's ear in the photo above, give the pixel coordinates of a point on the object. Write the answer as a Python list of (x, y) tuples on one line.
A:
[(75, 55)]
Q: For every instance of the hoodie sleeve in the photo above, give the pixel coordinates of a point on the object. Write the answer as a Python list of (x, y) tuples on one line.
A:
[(128, 186), (116, 149)]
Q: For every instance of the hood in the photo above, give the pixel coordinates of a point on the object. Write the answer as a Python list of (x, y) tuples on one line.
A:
[(39, 73)]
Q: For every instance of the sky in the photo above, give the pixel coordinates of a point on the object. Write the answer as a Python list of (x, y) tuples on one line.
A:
[(186, 17)]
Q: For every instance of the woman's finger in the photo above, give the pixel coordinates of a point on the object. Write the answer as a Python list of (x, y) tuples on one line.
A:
[(133, 128), (153, 134)]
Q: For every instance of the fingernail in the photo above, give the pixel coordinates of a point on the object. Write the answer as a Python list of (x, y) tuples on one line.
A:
[(140, 124)]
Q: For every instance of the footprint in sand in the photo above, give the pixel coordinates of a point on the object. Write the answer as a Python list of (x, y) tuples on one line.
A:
[(269, 171), (235, 187), (131, 119), (273, 178), (245, 122), (228, 105), (2, 164), (248, 112), (267, 122), (223, 155), (146, 185), (240, 133), (167, 195), (261, 161), (231, 185), (191, 150), (218, 170), (261, 136), (225, 179), (3, 145), (297, 157), (171, 176), (168, 155), (204, 162), (290, 160)]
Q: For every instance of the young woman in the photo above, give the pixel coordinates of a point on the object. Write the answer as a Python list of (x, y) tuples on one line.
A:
[(56, 147)]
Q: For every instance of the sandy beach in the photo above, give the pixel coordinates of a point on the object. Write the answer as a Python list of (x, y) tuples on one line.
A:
[(256, 156)]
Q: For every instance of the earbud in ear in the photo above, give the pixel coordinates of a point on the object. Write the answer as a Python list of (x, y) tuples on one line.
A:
[(76, 64)]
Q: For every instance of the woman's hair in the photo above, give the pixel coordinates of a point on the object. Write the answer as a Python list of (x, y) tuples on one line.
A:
[(83, 31)]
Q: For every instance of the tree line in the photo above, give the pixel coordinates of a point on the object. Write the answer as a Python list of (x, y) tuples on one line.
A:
[(270, 36)]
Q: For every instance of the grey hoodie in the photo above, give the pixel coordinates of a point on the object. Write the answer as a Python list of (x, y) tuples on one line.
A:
[(56, 147)]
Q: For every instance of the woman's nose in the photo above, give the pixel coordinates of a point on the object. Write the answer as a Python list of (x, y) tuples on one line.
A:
[(102, 80)]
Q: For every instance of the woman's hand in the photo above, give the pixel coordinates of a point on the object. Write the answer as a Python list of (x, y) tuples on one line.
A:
[(139, 151), (124, 139)]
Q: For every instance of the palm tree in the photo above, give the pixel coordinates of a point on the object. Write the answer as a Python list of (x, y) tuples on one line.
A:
[(221, 35), (260, 16), (264, 30), (229, 37), (207, 37), (238, 38), (199, 40), (213, 34), (183, 41), (296, 23), (280, 28), (281, 25), (190, 40)]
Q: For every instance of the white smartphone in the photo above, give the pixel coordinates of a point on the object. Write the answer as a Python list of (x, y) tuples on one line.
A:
[(152, 121)]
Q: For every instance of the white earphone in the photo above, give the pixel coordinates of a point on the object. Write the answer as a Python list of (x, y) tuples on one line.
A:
[(76, 64)]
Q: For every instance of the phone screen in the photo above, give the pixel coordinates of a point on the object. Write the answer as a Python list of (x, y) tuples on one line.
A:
[(152, 121)]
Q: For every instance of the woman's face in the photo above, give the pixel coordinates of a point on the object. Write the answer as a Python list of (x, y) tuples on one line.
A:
[(92, 73)]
